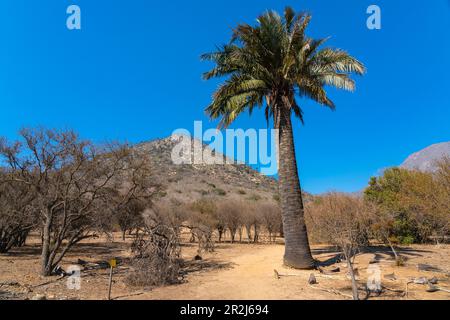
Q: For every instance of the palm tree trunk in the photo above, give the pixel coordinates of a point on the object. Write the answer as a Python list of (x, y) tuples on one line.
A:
[(297, 251)]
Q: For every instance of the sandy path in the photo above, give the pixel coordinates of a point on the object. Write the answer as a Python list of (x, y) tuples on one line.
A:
[(247, 276), (232, 272), (248, 273)]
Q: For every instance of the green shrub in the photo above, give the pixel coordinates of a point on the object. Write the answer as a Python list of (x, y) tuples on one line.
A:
[(408, 240)]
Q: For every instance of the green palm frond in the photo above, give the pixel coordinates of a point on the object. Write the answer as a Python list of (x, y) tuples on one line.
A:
[(274, 62)]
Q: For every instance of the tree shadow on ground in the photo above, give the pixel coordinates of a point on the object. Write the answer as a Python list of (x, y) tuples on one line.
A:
[(28, 251), (84, 249), (98, 249), (205, 265), (379, 253)]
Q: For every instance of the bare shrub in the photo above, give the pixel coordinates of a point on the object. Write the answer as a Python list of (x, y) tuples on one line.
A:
[(129, 216), (270, 218), (251, 221), (340, 219), (202, 221), (157, 251), (17, 215), (231, 213), (73, 184)]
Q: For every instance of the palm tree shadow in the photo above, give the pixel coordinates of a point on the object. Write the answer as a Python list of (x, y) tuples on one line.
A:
[(28, 251), (379, 252), (330, 261), (335, 258), (406, 252)]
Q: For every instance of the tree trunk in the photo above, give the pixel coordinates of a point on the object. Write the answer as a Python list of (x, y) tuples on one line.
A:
[(232, 234), (45, 267), (256, 235), (249, 233), (351, 271), (297, 251)]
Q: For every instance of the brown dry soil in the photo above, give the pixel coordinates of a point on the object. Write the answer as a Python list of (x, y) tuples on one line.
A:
[(233, 271)]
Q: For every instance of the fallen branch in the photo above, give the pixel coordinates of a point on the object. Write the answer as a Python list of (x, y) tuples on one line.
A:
[(328, 276), (279, 275), (337, 292)]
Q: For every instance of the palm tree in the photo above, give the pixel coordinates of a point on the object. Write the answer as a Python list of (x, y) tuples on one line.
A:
[(270, 65)]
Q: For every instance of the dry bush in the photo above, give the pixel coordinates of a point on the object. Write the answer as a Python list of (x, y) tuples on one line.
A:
[(73, 185), (129, 216), (17, 215), (157, 251), (341, 220), (231, 213), (251, 221), (235, 216), (202, 221), (270, 217)]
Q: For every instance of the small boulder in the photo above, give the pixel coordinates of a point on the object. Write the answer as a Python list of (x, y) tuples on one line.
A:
[(421, 280), (432, 288), (312, 279)]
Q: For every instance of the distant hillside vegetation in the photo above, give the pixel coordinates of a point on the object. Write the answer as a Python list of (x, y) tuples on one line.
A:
[(187, 183)]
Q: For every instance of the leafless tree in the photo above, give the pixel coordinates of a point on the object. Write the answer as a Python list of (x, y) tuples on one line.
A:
[(220, 222), (17, 215), (129, 216), (270, 217), (72, 182), (157, 251), (251, 221), (341, 220), (231, 213), (202, 221)]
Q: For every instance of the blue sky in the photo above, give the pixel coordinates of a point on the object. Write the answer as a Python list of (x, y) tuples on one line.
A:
[(133, 73)]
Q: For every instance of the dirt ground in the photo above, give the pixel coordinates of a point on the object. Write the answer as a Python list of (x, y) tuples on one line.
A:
[(232, 272)]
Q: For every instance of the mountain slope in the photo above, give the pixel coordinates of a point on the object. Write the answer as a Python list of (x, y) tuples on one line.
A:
[(187, 183), (424, 160)]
